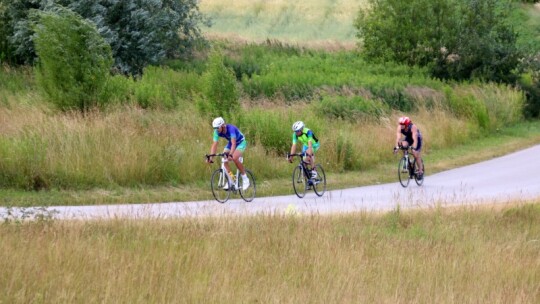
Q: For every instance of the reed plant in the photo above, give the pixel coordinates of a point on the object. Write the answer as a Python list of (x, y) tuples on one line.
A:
[(465, 254)]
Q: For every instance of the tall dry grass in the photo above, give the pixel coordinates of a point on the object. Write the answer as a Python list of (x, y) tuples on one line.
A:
[(129, 146), (466, 255)]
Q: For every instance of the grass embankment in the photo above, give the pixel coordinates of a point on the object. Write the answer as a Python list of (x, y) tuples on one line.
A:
[(465, 255)]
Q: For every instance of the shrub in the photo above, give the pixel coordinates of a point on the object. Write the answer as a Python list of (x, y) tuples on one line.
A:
[(220, 91), (267, 128), (74, 60), (350, 108), (468, 107)]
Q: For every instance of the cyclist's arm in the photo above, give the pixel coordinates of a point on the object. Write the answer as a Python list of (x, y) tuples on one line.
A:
[(213, 149), (215, 139), (398, 135), (309, 151), (233, 146), (294, 141)]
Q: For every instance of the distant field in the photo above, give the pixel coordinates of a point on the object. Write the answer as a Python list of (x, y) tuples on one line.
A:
[(295, 21)]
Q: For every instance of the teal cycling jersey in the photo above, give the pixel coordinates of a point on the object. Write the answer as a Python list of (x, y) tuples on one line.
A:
[(305, 138)]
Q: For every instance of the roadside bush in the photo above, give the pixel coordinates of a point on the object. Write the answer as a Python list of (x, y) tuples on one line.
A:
[(267, 128), (74, 60), (468, 107), (118, 90), (220, 92)]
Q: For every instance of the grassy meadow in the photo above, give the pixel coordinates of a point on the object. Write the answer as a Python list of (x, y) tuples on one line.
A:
[(464, 255), (148, 144), (319, 23)]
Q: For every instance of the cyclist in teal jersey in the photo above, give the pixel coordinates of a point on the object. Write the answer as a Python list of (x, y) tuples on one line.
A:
[(310, 144), (407, 134), (235, 147)]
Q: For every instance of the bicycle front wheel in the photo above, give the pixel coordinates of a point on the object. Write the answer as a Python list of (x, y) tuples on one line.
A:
[(220, 185), (249, 193), (319, 183), (299, 182), (403, 172)]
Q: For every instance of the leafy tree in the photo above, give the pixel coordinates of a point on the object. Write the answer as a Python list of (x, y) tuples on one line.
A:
[(140, 32), (16, 32), (458, 39), (143, 32), (74, 60)]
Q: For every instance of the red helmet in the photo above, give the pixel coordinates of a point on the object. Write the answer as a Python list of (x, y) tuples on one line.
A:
[(404, 120)]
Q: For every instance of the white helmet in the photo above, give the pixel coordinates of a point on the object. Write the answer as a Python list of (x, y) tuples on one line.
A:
[(218, 122), (297, 126)]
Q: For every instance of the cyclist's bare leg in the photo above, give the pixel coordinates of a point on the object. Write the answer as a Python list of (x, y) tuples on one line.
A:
[(417, 155), (236, 158)]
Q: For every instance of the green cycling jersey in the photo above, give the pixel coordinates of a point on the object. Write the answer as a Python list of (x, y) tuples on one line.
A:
[(305, 138)]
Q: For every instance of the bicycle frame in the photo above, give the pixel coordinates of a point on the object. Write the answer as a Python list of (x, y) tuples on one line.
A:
[(302, 164), (318, 184), (408, 167), (224, 176), (223, 184)]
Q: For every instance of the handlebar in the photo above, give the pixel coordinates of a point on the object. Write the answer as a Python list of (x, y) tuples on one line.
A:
[(298, 154), (402, 148), (217, 154)]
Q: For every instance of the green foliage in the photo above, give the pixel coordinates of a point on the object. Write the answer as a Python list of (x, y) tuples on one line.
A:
[(346, 158), (23, 162), (468, 107), (457, 39), (143, 32), (117, 90), (353, 109), (305, 74), (16, 30), (139, 32), (530, 83), (74, 61), (265, 128), (220, 90)]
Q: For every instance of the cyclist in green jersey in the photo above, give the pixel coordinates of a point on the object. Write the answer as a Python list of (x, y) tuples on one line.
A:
[(310, 144)]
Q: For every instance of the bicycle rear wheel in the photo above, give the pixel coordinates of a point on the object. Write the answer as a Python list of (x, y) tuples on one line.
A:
[(403, 172), (319, 183), (299, 182), (249, 194), (217, 183), (419, 182)]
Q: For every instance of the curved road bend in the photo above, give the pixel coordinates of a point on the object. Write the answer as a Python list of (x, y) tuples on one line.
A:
[(512, 177)]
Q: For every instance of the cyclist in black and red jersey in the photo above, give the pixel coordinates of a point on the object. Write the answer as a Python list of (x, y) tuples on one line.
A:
[(408, 135)]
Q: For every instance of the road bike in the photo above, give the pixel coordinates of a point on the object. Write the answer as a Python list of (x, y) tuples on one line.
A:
[(408, 169), (223, 184), (301, 177)]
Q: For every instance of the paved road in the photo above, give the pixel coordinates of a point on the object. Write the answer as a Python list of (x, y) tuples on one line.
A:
[(509, 178)]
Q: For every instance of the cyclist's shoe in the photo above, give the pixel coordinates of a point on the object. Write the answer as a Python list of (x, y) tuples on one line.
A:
[(314, 174), (420, 175), (245, 183), (226, 187)]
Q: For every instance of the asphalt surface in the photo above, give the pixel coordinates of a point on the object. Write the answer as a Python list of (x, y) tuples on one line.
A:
[(514, 177)]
